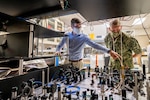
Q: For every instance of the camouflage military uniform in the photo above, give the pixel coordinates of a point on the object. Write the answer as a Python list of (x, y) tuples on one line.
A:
[(129, 44)]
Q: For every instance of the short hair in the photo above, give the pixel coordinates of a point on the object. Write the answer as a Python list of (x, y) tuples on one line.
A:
[(115, 22), (75, 20)]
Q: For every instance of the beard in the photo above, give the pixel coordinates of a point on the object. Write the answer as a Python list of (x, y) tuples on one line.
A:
[(116, 34)]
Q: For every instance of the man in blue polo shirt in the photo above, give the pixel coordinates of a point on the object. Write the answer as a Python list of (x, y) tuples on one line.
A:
[(77, 42)]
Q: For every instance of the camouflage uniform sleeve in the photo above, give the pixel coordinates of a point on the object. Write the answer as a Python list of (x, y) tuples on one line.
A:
[(106, 41), (135, 46)]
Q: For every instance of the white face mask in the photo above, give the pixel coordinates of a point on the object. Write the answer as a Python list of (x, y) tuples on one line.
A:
[(76, 30)]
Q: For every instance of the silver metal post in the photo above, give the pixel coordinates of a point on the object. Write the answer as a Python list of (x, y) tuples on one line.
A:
[(136, 87), (148, 90), (20, 66), (43, 78), (14, 93), (59, 93), (30, 52), (68, 48), (48, 75)]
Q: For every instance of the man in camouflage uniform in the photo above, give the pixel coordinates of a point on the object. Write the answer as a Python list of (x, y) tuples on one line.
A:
[(122, 44)]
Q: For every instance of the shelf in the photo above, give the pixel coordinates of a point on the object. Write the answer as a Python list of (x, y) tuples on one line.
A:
[(47, 50), (51, 21), (22, 32), (17, 25), (8, 59), (13, 24), (51, 50), (48, 42), (19, 47), (41, 32)]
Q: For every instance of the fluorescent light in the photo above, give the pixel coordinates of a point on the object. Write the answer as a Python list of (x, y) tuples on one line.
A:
[(83, 26), (138, 21), (3, 33)]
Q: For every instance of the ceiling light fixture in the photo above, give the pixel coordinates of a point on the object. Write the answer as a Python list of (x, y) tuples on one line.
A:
[(138, 21), (83, 25)]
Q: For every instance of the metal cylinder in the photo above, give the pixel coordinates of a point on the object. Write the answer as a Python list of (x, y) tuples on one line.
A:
[(148, 90), (43, 78), (136, 87), (108, 82), (14, 93), (123, 94), (144, 72), (48, 75), (100, 80), (59, 93), (89, 71), (110, 97), (20, 66), (44, 90)]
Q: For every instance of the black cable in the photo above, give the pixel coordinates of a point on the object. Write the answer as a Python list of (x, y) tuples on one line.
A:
[(128, 18), (84, 22)]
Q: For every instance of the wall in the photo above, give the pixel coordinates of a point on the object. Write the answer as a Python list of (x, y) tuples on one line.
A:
[(142, 37), (98, 30), (141, 31), (143, 40)]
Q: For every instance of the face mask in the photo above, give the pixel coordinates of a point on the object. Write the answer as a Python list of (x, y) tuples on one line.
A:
[(115, 34), (76, 30)]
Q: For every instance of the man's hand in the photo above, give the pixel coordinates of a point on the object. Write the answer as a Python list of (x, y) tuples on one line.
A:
[(114, 55), (136, 55), (58, 53)]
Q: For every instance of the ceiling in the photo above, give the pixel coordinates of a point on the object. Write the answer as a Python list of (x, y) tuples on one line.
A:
[(27, 8), (67, 18), (126, 21), (91, 10)]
